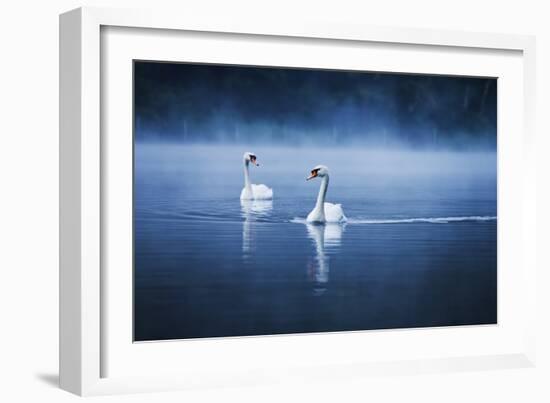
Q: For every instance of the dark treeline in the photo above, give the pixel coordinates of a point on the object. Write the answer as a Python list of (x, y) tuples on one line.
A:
[(207, 103)]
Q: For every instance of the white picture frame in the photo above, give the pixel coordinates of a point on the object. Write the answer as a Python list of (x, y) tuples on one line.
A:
[(83, 173)]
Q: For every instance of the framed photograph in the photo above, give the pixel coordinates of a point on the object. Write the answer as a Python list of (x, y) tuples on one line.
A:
[(246, 202)]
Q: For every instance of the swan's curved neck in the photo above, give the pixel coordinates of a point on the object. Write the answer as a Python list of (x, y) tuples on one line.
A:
[(247, 176), (322, 194)]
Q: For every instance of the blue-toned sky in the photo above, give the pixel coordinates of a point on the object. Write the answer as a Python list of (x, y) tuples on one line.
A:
[(200, 103)]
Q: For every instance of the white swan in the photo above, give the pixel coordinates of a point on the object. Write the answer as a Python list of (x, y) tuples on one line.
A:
[(251, 191), (324, 212)]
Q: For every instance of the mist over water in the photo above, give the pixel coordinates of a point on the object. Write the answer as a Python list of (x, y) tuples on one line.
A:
[(418, 249), (384, 184)]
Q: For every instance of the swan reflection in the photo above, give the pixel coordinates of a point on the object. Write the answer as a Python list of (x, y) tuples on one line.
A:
[(252, 211), (326, 239)]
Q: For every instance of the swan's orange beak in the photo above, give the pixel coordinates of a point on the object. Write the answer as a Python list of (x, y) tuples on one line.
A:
[(313, 175)]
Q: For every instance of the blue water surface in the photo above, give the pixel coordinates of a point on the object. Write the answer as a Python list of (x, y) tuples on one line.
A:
[(419, 248)]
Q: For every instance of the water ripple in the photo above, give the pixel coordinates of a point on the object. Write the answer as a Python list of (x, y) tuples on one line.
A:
[(431, 220)]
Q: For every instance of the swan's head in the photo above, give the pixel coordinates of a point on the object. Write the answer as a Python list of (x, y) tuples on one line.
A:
[(319, 171), (250, 157)]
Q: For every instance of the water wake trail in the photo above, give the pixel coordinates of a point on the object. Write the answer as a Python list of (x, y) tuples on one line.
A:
[(431, 220)]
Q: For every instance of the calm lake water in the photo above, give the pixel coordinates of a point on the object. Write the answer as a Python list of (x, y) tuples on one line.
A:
[(419, 248)]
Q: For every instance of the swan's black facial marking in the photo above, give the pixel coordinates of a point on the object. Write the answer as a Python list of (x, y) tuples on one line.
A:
[(253, 158), (314, 174)]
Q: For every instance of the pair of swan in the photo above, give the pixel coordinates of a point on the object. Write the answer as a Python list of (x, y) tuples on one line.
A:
[(323, 212)]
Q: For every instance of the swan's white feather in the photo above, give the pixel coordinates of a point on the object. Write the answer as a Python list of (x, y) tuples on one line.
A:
[(333, 213), (259, 192)]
